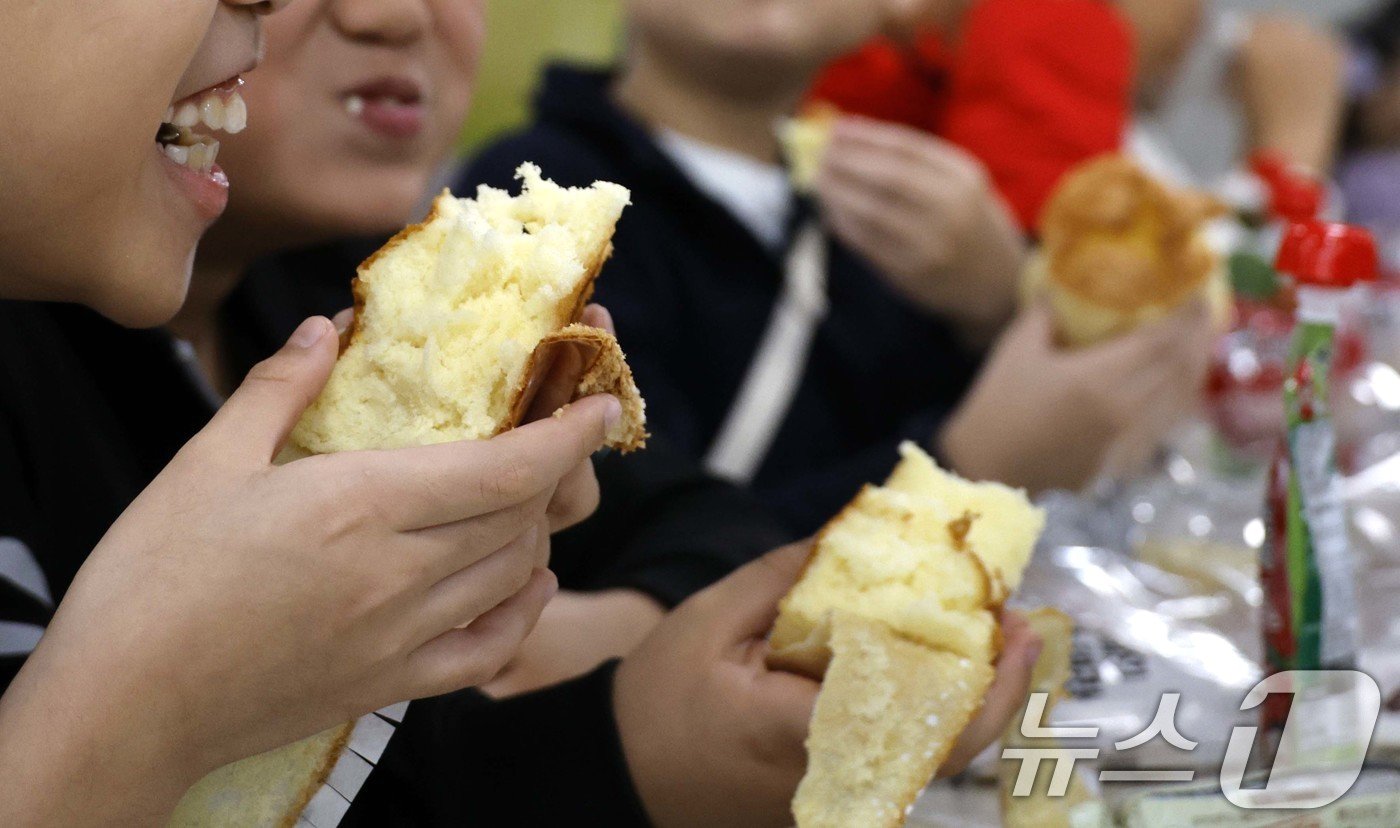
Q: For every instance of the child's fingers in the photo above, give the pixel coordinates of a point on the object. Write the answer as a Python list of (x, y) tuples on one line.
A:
[(435, 485), (474, 655), (256, 420)]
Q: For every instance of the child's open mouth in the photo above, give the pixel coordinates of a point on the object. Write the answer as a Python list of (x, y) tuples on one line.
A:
[(393, 107), (217, 108)]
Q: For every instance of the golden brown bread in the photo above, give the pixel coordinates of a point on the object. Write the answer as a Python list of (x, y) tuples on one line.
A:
[(452, 315), (897, 611), (1120, 248)]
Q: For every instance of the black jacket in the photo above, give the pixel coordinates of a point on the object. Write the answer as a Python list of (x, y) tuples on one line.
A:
[(691, 291)]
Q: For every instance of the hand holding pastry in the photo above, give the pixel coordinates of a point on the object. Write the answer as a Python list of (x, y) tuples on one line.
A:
[(899, 612), (239, 605), (712, 735), (1042, 417), (465, 330)]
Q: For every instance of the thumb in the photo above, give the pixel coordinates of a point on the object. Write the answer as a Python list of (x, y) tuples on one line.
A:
[(598, 316), (746, 603), (262, 412)]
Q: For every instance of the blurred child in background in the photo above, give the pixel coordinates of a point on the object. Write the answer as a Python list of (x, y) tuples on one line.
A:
[(1281, 78), (1369, 170), (789, 350), (1034, 87)]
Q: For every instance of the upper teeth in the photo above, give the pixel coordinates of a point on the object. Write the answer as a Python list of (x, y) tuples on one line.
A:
[(235, 114), (355, 105), (212, 109)]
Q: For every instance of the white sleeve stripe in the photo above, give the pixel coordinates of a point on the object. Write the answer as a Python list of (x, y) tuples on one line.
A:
[(367, 743), (326, 808), (17, 565), (394, 712), (17, 639), (349, 774), (370, 736)]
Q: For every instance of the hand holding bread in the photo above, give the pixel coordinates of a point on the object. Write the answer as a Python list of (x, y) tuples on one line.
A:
[(307, 593), (898, 611), (1043, 417), (465, 330), (712, 735)]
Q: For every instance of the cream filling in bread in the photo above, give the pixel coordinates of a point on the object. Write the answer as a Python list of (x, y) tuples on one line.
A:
[(221, 108)]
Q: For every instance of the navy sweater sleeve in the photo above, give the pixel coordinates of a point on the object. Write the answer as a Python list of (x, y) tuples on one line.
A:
[(23, 613), (544, 758), (808, 501), (664, 528)]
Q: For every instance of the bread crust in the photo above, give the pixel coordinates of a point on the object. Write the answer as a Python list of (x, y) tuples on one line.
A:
[(322, 773), (605, 371)]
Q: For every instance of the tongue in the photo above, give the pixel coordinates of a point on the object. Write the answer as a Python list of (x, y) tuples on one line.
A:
[(393, 116)]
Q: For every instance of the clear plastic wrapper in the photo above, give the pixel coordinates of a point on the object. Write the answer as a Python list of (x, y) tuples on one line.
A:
[(1144, 630), (1160, 575)]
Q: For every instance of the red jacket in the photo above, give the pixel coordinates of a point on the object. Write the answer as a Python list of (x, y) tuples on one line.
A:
[(1033, 88)]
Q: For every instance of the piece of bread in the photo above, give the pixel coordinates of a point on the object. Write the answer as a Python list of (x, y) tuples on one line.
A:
[(451, 315), (897, 612), (456, 322), (265, 791), (930, 554), (889, 712), (1037, 809), (1120, 248), (804, 140)]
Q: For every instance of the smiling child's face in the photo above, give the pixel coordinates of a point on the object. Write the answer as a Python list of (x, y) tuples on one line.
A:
[(93, 207)]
